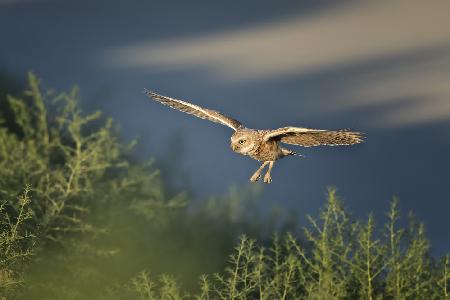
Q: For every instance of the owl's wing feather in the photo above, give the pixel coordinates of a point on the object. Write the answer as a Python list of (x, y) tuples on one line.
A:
[(313, 137), (195, 110)]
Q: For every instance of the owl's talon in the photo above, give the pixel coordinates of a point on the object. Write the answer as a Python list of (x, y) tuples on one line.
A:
[(267, 179), (255, 178)]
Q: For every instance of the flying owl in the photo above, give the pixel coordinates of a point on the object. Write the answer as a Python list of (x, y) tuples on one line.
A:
[(263, 145)]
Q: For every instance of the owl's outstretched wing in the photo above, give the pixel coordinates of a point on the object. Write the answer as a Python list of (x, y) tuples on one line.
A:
[(313, 137), (195, 110)]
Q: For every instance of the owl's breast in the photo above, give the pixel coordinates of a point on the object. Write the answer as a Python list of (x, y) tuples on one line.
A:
[(269, 151)]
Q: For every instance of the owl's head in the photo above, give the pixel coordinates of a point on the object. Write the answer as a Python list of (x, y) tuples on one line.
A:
[(244, 141)]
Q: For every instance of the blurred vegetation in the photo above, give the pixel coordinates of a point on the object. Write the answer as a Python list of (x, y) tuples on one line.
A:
[(341, 259), (81, 220)]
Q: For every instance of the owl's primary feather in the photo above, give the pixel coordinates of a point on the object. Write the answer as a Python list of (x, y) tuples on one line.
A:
[(195, 110), (306, 137), (263, 145)]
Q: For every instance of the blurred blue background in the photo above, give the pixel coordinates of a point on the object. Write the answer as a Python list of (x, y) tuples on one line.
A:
[(381, 67)]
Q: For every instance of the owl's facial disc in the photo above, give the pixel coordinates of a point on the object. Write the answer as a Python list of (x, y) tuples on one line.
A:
[(241, 144)]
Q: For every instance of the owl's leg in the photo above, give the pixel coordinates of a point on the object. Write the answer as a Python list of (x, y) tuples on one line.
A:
[(267, 177), (257, 174)]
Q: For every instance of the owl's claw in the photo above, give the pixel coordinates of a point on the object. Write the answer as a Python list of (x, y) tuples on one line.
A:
[(255, 177), (267, 178)]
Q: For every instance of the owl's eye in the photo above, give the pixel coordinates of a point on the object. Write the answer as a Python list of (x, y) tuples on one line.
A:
[(242, 142)]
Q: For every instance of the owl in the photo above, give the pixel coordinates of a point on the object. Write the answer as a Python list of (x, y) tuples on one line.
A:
[(263, 145)]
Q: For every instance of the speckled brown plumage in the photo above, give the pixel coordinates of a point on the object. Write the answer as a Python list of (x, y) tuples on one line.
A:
[(263, 145)]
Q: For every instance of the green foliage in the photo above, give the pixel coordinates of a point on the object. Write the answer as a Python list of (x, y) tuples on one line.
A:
[(75, 167), (341, 259), (146, 289), (59, 156), (16, 240), (344, 259)]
